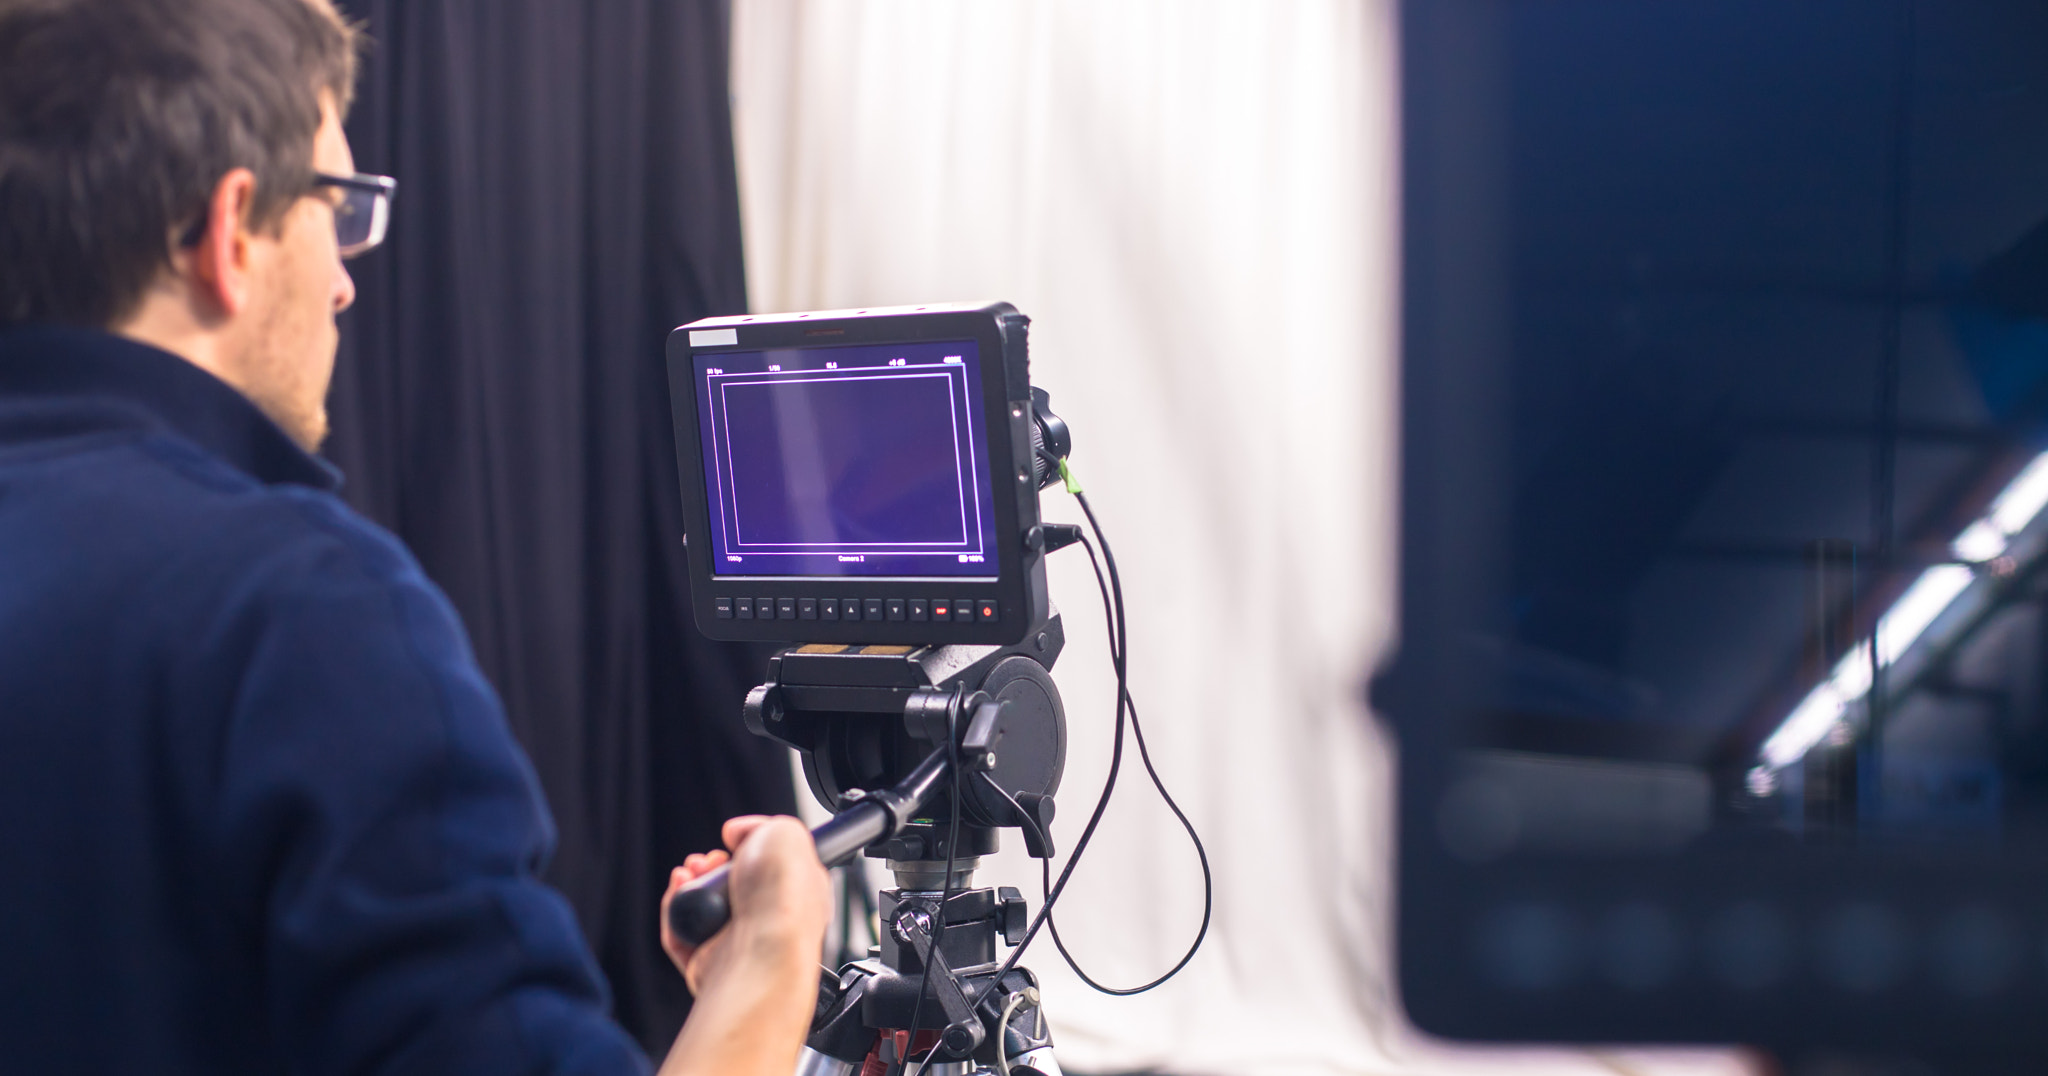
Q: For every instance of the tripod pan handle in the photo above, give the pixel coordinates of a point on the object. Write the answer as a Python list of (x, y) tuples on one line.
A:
[(701, 908)]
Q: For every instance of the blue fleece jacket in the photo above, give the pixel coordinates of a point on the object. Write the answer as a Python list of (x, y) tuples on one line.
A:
[(259, 810)]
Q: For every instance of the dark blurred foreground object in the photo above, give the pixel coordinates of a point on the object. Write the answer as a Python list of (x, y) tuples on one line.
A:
[(500, 404), (1723, 684)]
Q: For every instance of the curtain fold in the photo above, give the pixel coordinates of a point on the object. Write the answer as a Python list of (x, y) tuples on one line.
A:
[(566, 197)]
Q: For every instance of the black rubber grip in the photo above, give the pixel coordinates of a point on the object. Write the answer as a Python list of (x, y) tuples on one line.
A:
[(702, 907)]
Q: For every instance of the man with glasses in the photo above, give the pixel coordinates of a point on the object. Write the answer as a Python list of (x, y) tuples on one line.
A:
[(259, 810)]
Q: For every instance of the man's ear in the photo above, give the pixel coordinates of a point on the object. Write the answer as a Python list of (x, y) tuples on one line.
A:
[(220, 266)]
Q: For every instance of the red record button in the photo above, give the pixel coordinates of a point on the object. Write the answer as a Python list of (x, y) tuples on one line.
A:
[(986, 611)]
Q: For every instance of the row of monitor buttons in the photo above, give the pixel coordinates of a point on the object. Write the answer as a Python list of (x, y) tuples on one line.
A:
[(913, 610)]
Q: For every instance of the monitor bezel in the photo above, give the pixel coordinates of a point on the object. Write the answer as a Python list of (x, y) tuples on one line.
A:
[(1017, 585)]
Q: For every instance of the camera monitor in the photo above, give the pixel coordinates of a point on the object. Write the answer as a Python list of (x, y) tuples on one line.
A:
[(1723, 685), (860, 476)]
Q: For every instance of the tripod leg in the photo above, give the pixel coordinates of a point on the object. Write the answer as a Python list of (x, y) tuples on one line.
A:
[(1038, 1062), (813, 1063)]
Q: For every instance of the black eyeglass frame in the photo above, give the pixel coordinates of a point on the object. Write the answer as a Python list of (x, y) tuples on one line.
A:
[(381, 189)]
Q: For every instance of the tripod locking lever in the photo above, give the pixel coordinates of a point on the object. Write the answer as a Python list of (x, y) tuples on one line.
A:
[(978, 744)]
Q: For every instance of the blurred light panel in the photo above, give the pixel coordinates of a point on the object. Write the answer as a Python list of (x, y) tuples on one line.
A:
[(2011, 511)]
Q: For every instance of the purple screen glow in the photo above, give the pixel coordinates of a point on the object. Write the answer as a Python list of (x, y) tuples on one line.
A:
[(847, 461)]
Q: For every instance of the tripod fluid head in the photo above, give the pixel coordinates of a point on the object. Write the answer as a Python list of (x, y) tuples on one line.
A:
[(877, 729), (864, 717)]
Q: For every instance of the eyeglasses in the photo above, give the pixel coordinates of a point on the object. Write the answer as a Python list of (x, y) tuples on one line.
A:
[(360, 220), (364, 212)]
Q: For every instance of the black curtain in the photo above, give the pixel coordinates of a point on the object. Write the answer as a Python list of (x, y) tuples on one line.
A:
[(567, 196)]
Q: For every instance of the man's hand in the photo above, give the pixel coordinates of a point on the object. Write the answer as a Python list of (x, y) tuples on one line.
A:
[(756, 980)]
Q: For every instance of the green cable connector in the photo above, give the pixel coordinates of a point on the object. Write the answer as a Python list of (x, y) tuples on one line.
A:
[(1066, 472)]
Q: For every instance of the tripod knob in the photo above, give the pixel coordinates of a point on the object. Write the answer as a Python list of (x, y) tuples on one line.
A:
[(961, 1039), (1013, 915)]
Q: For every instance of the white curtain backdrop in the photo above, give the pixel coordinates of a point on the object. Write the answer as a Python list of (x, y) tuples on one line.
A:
[(1195, 201)]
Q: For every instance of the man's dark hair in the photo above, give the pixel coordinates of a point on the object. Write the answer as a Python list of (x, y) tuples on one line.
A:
[(118, 119)]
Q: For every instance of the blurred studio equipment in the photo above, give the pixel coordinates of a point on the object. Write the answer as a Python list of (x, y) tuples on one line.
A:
[(1722, 690)]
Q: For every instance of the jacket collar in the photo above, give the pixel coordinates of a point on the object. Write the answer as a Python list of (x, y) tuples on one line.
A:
[(54, 361)]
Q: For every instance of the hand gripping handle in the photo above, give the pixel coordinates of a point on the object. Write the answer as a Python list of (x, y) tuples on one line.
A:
[(701, 908)]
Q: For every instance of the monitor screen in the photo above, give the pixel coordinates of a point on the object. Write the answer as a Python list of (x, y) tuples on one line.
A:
[(847, 461)]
